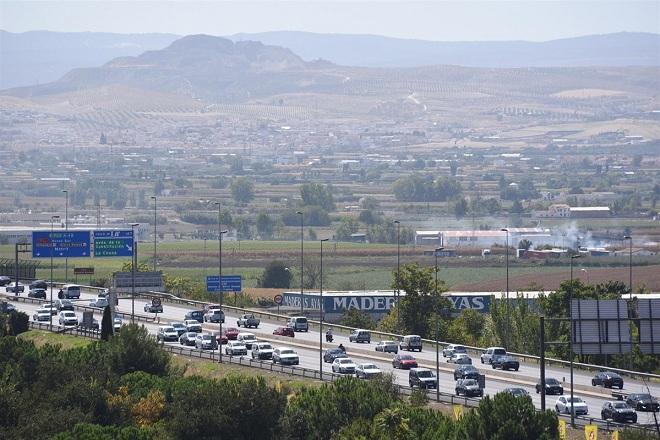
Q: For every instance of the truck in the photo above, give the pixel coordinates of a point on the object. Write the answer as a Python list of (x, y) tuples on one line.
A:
[(247, 321)]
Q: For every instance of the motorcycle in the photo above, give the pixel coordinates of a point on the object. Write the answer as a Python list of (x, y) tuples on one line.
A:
[(328, 337)]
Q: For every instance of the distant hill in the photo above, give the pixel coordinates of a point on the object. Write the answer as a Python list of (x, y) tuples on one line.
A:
[(619, 49), (39, 57)]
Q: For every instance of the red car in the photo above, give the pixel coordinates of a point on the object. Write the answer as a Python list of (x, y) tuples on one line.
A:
[(231, 333), (284, 331), (223, 339), (404, 361)]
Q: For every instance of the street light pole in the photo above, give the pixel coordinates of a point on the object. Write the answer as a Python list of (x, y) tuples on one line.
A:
[(570, 338), (133, 226), (302, 252), (66, 228), (437, 329), (222, 293), (52, 220), (630, 284), (155, 230), (398, 279), (508, 314), (321, 316)]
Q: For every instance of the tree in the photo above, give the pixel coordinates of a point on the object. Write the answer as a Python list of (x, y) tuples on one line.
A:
[(265, 225), (135, 350), (315, 194), (276, 275), (357, 319), (369, 217), (312, 272), (517, 207), (242, 190), (106, 324), (460, 207), (346, 228), (525, 244)]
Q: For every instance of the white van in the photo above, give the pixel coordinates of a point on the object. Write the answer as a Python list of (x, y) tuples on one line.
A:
[(71, 291), (411, 343), (298, 324)]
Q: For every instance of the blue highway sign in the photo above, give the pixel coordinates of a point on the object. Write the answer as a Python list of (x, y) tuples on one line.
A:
[(230, 283), (113, 243), (62, 244)]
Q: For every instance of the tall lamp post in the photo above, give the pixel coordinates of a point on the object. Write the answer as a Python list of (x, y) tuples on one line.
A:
[(302, 253), (221, 232), (155, 230), (52, 221), (630, 284), (66, 228), (321, 315), (133, 264), (570, 338), (398, 260), (508, 314), (437, 329)]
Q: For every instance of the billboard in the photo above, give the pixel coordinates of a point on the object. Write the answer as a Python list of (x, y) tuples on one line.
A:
[(122, 282), (648, 312), (113, 243), (601, 326), (60, 244)]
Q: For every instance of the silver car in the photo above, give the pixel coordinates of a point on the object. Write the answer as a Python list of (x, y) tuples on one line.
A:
[(460, 359), (343, 366), (453, 348), (367, 371), (68, 318), (387, 347)]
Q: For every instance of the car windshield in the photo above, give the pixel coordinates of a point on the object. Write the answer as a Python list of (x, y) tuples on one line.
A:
[(424, 373), (191, 335), (249, 337), (287, 352), (459, 348), (69, 314), (388, 343), (642, 396), (612, 375), (552, 381), (369, 367), (469, 369), (575, 399), (265, 347), (177, 325), (470, 382), (406, 357), (345, 361), (207, 337), (620, 405), (499, 351), (335, 350), (169, 329)]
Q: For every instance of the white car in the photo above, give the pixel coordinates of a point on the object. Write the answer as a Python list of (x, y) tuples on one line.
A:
[(563, 405), (367, 371), (343, 366), (453, 348), (193, 325), (262, 350), (285, 356), (235, 348), (247, 339), (68, 317), (167, 333), (117, 323), (49, 306), (460, 359), (42, 315)]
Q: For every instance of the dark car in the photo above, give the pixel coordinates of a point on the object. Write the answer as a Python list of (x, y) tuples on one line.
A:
[(552, 386), (607, 379), (468, 388), (37, 293), (422, 377), (6, 307), (4, 280), (197, 315), (11, 287), (404, 361), (333, 353), (152, 308), (516, 392), (284, 331), (643, 402), (466, 372), (505, 363), (618, 411), (38, 284), (231, 333)]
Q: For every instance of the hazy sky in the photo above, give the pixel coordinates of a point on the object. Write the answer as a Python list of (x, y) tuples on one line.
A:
[(432, 20)]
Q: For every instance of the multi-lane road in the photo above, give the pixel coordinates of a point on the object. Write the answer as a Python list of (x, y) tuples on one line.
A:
[(307, 346)]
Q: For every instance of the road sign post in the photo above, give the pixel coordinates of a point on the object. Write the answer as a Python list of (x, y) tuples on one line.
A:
[(278, 299), (230, 283)]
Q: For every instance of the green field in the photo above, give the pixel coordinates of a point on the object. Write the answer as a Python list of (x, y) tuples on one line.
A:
[(43, 337)]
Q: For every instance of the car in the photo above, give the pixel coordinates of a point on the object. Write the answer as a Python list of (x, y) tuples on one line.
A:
[(68, 318), (466, 372), (360, 336), (468, 388), (4, 280), (231, 333), (247, 339), (102, 303), (197, 315), (50, 306), (505, 363), (214, 315), (262, 350), (387, 347), (192, 325), (333, 353), (103, 293), (607, 379), (167, 333), (205, 341), (284, 331), (285, 356), (235, 348), (64, 304), (188, 338), (643, 402), (42, 314), (180, 327), (367, 371), (70, 291), (6, 307), (460, 359), (618, 411), (552, 386), (404, 361), (248, 321), (298, 324), (117, 322), (153, 308), (343, 366), (453, 348), (93, 326), (11, 287), (516, 392), (563, 405), (222, 339), (487, 356), (39, 284), (411, 343), (37, 293), (422, 378)]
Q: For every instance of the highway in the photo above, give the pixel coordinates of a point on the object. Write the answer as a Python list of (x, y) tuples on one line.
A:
[(306, 344)]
